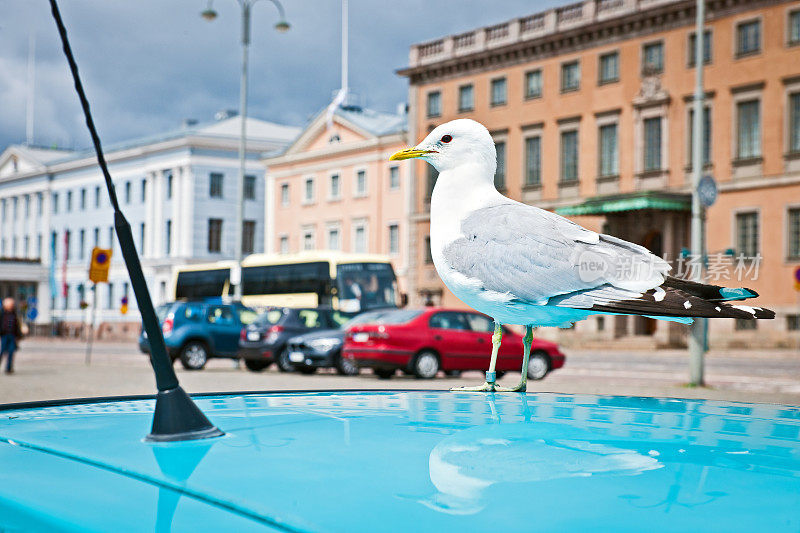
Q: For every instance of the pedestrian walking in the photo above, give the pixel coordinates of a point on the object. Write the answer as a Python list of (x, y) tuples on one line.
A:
[(10, 333)]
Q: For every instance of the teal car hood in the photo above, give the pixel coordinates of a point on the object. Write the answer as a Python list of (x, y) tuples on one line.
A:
[(422, 461)]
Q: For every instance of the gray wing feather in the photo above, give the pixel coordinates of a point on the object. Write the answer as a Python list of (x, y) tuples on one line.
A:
[(534, 255)]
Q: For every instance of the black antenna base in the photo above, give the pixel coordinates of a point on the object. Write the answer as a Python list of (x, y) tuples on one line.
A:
[(177, 418)]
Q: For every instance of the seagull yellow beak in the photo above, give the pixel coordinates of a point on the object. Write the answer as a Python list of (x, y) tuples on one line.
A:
[(410, 153)]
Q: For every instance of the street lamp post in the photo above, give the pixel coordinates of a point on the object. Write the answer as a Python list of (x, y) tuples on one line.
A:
[(282, 26), (698, 328)]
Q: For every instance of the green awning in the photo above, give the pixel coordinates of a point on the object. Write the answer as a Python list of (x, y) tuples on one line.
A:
[(616, 203)]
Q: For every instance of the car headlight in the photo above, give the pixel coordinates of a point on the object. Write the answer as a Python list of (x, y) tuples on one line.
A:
[(324, 345)]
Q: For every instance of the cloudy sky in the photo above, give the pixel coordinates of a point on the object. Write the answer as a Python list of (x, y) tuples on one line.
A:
[(149, 64)]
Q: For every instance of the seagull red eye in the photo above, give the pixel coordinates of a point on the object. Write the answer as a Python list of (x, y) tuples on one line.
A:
[(447, 139)]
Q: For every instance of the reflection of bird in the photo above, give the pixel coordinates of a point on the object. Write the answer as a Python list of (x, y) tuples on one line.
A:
[(462, 467), (523, 265)]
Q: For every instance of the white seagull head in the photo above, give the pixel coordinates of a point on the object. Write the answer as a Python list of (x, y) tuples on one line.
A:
[(453, 144)]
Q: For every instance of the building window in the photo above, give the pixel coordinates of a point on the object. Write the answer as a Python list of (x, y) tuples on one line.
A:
[(55, 204), (533, 84), (748, 37), (360, 237), (96, 239), (336, 187), (569, 156), (285, 194), (111, 238), (27, 206), (168, 174), (394, 239), (334, 238), (143, 187), (500, 171), (428, 255), (309, 191), (794, 27), (83, 200), (434, 104), (361, 183), (706, 48), (127, 192), (652, 58), (248, 236), (570, 76), (308, 239), (652, 144), (394, 178), (69, 203), (466, 98), (609, 151), (742, 324), (39, 245), (168, 238), (706, 136), (249, 187), (15, 203), (39, 203), (533, 161), (498, 91), (432, 176), (284, 244), (609, 68), (110, 294), (82, 244), (793, 233), (793, 322), (749, 129), (215, 185), (214, 235), (26, 241), (141, 236), (747, 234), (794, 122)]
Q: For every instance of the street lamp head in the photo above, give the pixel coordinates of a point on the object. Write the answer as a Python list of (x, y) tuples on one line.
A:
[(282, 26), (209, 14)]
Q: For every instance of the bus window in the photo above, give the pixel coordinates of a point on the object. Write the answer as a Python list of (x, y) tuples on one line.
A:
[(286, 279), (365, 286), (201, 283)]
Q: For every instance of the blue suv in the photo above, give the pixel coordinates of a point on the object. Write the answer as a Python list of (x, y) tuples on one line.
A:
[(196, 331)]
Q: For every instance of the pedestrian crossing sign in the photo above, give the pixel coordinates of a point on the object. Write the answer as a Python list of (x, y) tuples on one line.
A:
[(101, 260)]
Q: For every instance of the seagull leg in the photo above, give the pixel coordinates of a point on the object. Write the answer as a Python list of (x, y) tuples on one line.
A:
[(491, 375), (526, 355)]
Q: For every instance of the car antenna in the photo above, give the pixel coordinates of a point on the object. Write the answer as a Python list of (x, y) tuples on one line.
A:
[(176, 416)]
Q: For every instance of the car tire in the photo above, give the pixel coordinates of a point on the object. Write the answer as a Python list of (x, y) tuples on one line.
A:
[(194, 355), (426, 365), (284, 365), (384, 373), (254, 365), (346, 367), (308, 370), (538, 365)]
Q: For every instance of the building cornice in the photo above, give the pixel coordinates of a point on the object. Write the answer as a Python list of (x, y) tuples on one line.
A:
[(337, 150), (560, 31)]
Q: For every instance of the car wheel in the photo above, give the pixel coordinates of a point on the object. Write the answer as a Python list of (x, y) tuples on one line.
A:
[(308, 370), (384, 373), (194, 355), (284, 365), (256, 366), (538, 366), (346, 367), (426, 365)]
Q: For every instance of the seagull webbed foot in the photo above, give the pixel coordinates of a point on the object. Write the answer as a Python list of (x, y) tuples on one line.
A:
[(520, 387), (486, 387)]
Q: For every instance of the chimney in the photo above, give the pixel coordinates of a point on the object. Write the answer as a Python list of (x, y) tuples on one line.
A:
[(189, 122), (225, 114)]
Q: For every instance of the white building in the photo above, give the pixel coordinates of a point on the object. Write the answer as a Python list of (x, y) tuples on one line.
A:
[(178, 190)]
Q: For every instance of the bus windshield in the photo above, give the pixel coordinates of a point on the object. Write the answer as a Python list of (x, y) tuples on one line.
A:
[(201, 283), (365, 286)]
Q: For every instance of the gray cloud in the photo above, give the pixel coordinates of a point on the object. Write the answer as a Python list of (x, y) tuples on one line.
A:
[(148, 64)]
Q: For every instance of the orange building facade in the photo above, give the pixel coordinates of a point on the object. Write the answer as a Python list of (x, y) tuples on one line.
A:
[(334, 188), (590, 106)]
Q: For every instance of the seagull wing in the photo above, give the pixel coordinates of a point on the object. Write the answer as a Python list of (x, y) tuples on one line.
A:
[(538, 257)]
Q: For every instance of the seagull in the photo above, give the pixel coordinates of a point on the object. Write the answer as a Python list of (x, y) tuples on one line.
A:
[(527, 266)]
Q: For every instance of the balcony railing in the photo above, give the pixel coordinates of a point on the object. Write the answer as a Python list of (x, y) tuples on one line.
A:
[(525, 28)]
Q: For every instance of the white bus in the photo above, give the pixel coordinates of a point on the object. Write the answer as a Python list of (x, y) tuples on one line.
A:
[(346, 282)]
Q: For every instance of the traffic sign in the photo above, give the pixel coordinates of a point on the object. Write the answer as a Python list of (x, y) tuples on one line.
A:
[(101, 261), (707, 191), (797, 278)]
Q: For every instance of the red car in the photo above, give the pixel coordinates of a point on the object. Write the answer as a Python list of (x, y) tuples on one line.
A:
[(423, 342)]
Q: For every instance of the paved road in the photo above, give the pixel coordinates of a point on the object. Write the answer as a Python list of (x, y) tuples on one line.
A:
[(48, 369)]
